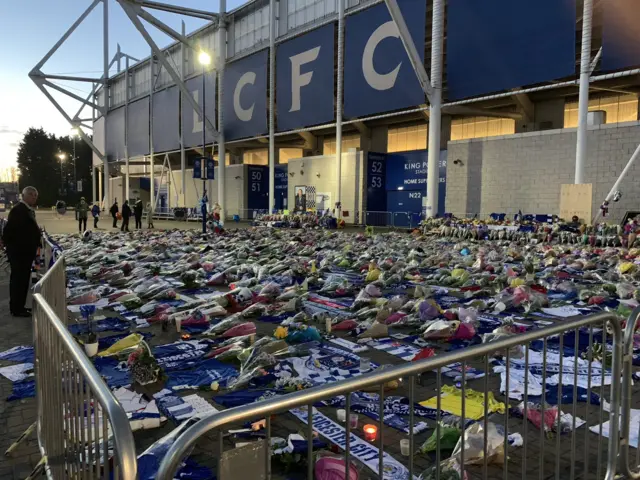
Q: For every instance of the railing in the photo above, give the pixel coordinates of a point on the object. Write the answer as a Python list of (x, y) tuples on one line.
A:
[(408, 372), (79, 420), (626, 414), (53, 285)]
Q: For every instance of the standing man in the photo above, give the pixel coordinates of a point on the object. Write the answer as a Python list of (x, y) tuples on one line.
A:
[(137, 212), (21, 237), (126, 214), (114, 213), (82, 209)]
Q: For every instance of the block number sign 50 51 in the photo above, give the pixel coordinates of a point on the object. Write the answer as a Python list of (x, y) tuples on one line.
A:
[(256, 177)]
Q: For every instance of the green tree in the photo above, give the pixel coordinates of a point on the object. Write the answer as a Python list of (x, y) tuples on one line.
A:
[(40, 166), (37, 164)]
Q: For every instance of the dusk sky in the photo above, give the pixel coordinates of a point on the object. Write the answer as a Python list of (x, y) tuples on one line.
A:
[(29, 28)]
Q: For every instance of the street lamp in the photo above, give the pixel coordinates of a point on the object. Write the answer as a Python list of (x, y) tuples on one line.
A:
[(205, 60), (75, 132), (62, 156)]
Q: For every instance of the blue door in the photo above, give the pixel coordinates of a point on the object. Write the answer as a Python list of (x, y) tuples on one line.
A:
[(405, 207)]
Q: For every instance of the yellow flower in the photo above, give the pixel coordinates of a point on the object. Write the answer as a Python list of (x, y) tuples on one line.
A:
[(281, 332)]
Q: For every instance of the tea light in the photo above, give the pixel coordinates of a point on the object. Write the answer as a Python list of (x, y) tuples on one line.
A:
[(370, 432)]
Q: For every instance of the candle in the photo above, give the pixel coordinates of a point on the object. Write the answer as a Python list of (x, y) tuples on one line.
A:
[(370, 432)]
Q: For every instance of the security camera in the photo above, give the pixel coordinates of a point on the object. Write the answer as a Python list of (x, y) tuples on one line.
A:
[(458, 162)]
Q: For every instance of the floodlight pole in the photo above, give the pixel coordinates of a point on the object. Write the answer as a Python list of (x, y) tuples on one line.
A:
[(339, 88), (126, 129), (435, 115), (222, 58), (583, 101), (183, 158), (105, 89), (272, 88)]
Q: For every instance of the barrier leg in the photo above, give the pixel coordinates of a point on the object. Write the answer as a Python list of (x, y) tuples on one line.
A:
[(27, 433), (38, 469)]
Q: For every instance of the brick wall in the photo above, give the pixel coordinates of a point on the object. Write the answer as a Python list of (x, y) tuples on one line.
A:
[(525, 171)]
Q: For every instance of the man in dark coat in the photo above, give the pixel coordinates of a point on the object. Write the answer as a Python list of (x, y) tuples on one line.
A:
[(21, 237), (137, 212), (126, 214), (114, 213)]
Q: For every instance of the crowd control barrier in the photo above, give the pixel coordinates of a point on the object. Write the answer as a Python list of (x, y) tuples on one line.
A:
[(544, 453)]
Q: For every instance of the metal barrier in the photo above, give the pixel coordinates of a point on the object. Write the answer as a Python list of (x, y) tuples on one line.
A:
[(626, 413), (53, 285), (592, 466), (378, 219), (77, 414)]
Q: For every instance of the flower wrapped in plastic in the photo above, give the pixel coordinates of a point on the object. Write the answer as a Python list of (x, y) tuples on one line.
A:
[(143, 367)]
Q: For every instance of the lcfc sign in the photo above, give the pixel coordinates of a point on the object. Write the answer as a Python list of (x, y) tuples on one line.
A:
[(305, 72), (378, 76), (245, 97)]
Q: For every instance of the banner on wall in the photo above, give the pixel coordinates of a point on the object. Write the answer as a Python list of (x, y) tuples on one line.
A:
[(300, 203), (245, 98), (502, 44), (305, 74), (138, 128), (191, 122), (258, 187), (166, 120), (378, 76), (281, 187)]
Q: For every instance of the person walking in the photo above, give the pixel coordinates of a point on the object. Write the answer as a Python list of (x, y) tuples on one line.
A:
[(82, 209), (114, 213), (126, 214), (95, 211), (137, 212), (21, 238)]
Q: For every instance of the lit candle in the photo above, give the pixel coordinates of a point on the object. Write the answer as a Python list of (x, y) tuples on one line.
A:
[(370, 432)]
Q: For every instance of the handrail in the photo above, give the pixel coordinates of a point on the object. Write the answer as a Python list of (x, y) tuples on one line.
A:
[(123, 437), (307, 397), (626, 394)]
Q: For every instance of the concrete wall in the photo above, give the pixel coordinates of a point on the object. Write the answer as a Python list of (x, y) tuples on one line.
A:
[(525, 171), (320, 172)]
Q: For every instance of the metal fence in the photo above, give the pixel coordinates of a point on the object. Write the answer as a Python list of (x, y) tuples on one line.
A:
[(53, 285), (541, 455), (82, 430)]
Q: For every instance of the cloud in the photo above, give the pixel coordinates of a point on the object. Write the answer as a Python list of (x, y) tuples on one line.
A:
[(9, 131)]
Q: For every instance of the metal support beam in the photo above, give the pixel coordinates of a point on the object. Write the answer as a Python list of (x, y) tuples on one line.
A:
[(66, 35), (480, 112), (310, 141), (222, 58), (190, 12), (164, 28), (67, 77), (43, 81), (339, 90), (183, 156), (362, 129), (272, 105), (437, 39), (126, 129), (152, 185), (105, 86), (616, 185), (595, 61), (175, 76), (412, 52), (583, 100)]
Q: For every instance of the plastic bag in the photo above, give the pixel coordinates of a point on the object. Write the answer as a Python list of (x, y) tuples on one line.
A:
[(474, 447), (448, 439), (428, 310)]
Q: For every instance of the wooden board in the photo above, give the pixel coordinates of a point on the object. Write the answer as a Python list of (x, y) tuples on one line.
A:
[(576, 200)]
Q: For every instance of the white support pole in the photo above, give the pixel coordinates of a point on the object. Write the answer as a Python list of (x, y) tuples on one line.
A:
[(183, 157), (433, 181), (583, 101), (126, 126), (93, 185), (272, 113), (339, 106), (105, 92), (101, 201), (222, 58), (152, 187), (623, 174)]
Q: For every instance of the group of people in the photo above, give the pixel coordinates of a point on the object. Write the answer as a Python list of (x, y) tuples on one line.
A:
[(82, 213), (137, 212)]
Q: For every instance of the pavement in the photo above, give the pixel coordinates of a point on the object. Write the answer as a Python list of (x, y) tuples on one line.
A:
[(544, 457)]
